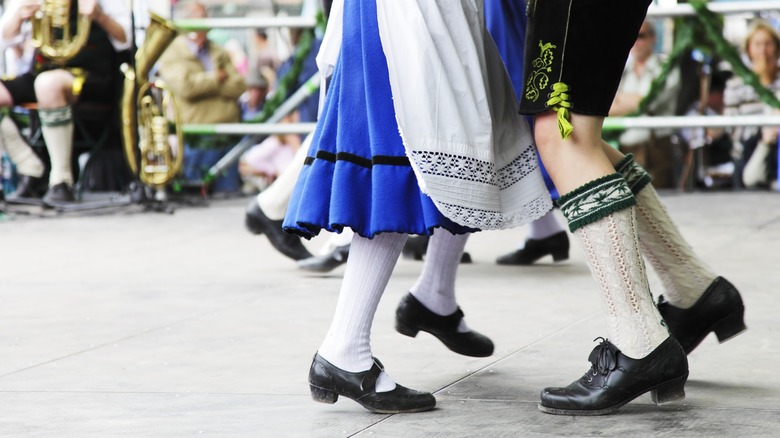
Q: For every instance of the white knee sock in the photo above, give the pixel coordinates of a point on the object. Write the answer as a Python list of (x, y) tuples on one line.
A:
[(612, 249), (544, 227), (274, 199), (683, 274), (57, 129), (22, 155), (348, 342)]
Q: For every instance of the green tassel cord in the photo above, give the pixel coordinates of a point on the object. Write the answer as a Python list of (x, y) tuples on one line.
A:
[(559, 102)]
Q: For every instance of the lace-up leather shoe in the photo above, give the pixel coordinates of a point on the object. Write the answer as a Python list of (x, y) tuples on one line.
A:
[(719, 309), (327, 383), (615, 379), (411, 316), (288, 244), (556, 245)]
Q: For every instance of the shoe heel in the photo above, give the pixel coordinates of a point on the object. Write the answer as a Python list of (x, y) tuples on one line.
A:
[(561, 255), (406, 329), (323, 395), (730, 326), (670, 391)]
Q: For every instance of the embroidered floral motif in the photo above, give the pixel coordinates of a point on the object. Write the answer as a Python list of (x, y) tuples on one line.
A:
[(539, 79), (595, 200)]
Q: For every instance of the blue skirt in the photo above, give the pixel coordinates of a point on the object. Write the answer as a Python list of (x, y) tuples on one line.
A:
[(356, 173)]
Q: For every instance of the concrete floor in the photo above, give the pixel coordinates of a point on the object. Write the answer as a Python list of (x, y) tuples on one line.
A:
[(144, 324)]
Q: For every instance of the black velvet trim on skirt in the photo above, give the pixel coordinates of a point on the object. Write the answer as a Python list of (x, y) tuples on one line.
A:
[(582, 43)]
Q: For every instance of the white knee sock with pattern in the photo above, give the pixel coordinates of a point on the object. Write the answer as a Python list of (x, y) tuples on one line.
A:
[(602, 218), (435, 287), (348, 342), (683, 274)]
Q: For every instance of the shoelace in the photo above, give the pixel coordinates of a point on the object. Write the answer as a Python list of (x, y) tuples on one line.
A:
[(559, 102), (603, 357)]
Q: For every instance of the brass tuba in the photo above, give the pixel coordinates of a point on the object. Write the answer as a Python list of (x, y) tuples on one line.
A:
[(51, 32), (147, 109)]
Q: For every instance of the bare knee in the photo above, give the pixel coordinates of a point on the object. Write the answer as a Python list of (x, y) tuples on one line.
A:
[(53, 89)]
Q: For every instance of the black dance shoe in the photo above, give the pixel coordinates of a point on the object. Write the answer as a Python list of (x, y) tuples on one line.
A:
[(288, 244), (59, 194), (327, 262), (615, 379), (556, 245), (28, 187), (719, 309), (327, 383), (411, 316)]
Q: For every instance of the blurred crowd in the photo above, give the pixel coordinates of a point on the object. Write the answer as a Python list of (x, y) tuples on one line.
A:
[(222, 76)]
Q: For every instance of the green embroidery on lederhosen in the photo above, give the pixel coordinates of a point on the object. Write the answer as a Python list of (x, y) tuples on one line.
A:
[(538, 80)]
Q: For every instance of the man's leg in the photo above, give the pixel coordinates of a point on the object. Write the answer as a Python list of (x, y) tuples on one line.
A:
[(696, 301), (55, 97), (600, 210)]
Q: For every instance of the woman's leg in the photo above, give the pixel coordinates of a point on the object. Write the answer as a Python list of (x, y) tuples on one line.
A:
[(344, 364), (431, 305)]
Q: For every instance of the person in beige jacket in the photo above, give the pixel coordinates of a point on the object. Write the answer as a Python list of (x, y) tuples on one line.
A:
[(207, 87)]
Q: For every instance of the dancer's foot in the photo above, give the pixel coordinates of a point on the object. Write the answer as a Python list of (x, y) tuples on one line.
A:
[(258, 223), (327, 383), (556, 245), (615, 379), (719, 309), (411, 316), (327, 262)]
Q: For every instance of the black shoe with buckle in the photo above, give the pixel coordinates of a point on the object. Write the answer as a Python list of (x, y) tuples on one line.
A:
[(59, 194), (28, 187), (556, 245), (719, 309), (327, 382), (327, 262), (288, 244), (615, 379), (412, 316)]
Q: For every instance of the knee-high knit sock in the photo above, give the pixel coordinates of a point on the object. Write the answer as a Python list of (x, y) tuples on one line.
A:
[(435, 287), (683, 274), (22, 155), (57, 129), (348, 342), (601, 216)]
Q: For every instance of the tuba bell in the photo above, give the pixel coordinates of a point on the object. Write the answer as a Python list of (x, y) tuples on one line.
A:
[(150, 112), (52, 34)]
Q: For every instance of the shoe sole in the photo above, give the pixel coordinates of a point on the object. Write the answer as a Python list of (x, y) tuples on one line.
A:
[(327, 396), (725, 329), (663, 393)]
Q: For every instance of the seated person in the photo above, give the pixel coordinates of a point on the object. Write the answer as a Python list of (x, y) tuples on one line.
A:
[(755, 148), (56, 85), (207, 87), (653, 149), (264, 162)]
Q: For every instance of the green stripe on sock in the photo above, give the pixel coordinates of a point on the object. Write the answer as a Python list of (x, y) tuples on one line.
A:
[(596, 200), (636, 177), (56, 116)]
